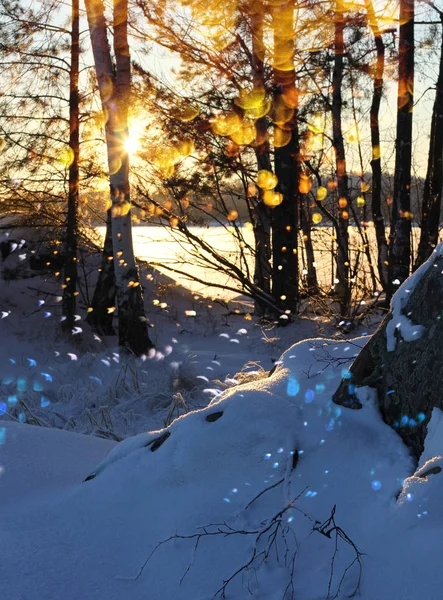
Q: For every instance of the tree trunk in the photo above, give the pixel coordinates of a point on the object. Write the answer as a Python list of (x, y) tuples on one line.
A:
[(114, 87), (402, 361), (103, 301), (431, 206), (379, 223), (342, 287), (305, 224), (285, 216), (262, 214), (400, 237), (70, 266)]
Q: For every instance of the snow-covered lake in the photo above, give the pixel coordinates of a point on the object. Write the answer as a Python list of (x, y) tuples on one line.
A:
[(165, 246)]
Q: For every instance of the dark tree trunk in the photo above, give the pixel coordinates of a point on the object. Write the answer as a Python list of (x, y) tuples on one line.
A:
[(342, 287), (432, 192), (70, 266), (262, 267), (402, 361), (262, 214), (305, 224), (400, 237), (103, 301), (379, 223), (285, 217)]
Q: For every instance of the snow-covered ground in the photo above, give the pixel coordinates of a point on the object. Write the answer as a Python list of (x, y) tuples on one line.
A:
[(265, 489)]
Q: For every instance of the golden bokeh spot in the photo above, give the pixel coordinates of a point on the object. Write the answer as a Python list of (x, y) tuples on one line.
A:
[(290, 97), (345, 214), (120, 209), (185, 112), (252, 190), (248, 226), (173, 221), (226, 125), (343, 203), (250, 99), (186, 147), (66, 156), (317, 218), (165, 159), (259, 111), (244, 135), (266, 180), (322, 192), (281, 113), (281, 137), (284, 61), (272, 199), (364, 186), (305, 185), (376, 152), (361, 201), (233, 214), (111, 309)]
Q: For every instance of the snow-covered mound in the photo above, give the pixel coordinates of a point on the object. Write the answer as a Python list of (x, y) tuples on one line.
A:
[(270, 492)]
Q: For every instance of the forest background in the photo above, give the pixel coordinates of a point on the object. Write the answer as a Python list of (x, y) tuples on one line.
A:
[(296, 122)]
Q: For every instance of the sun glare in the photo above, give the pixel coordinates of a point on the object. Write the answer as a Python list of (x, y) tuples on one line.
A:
[(132, 144)]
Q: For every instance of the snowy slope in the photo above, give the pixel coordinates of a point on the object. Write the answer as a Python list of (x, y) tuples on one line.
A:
[(94, 539)]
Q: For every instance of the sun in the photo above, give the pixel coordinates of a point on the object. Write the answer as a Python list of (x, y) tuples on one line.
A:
[(132, 144)]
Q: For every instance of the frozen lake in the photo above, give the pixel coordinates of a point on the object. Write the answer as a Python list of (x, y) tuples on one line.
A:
[(164, 247)]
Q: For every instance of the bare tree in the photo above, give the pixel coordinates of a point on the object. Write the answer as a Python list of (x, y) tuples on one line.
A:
[(400, 236), (432, 193), (70, 267), (377, 94), (114, 83), (285, 217), (342, 287)]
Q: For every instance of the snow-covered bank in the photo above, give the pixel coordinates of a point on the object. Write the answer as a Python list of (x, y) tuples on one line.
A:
[(266, 489), (281, 434)]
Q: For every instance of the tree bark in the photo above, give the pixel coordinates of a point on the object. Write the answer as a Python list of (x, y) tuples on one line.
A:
[(114, 86), (262, 214), (432, 193), (103, 301), (342, 287), (70, 265), (402, 360), (379, 223), (305, 224), (400, 236), (285, 216)]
